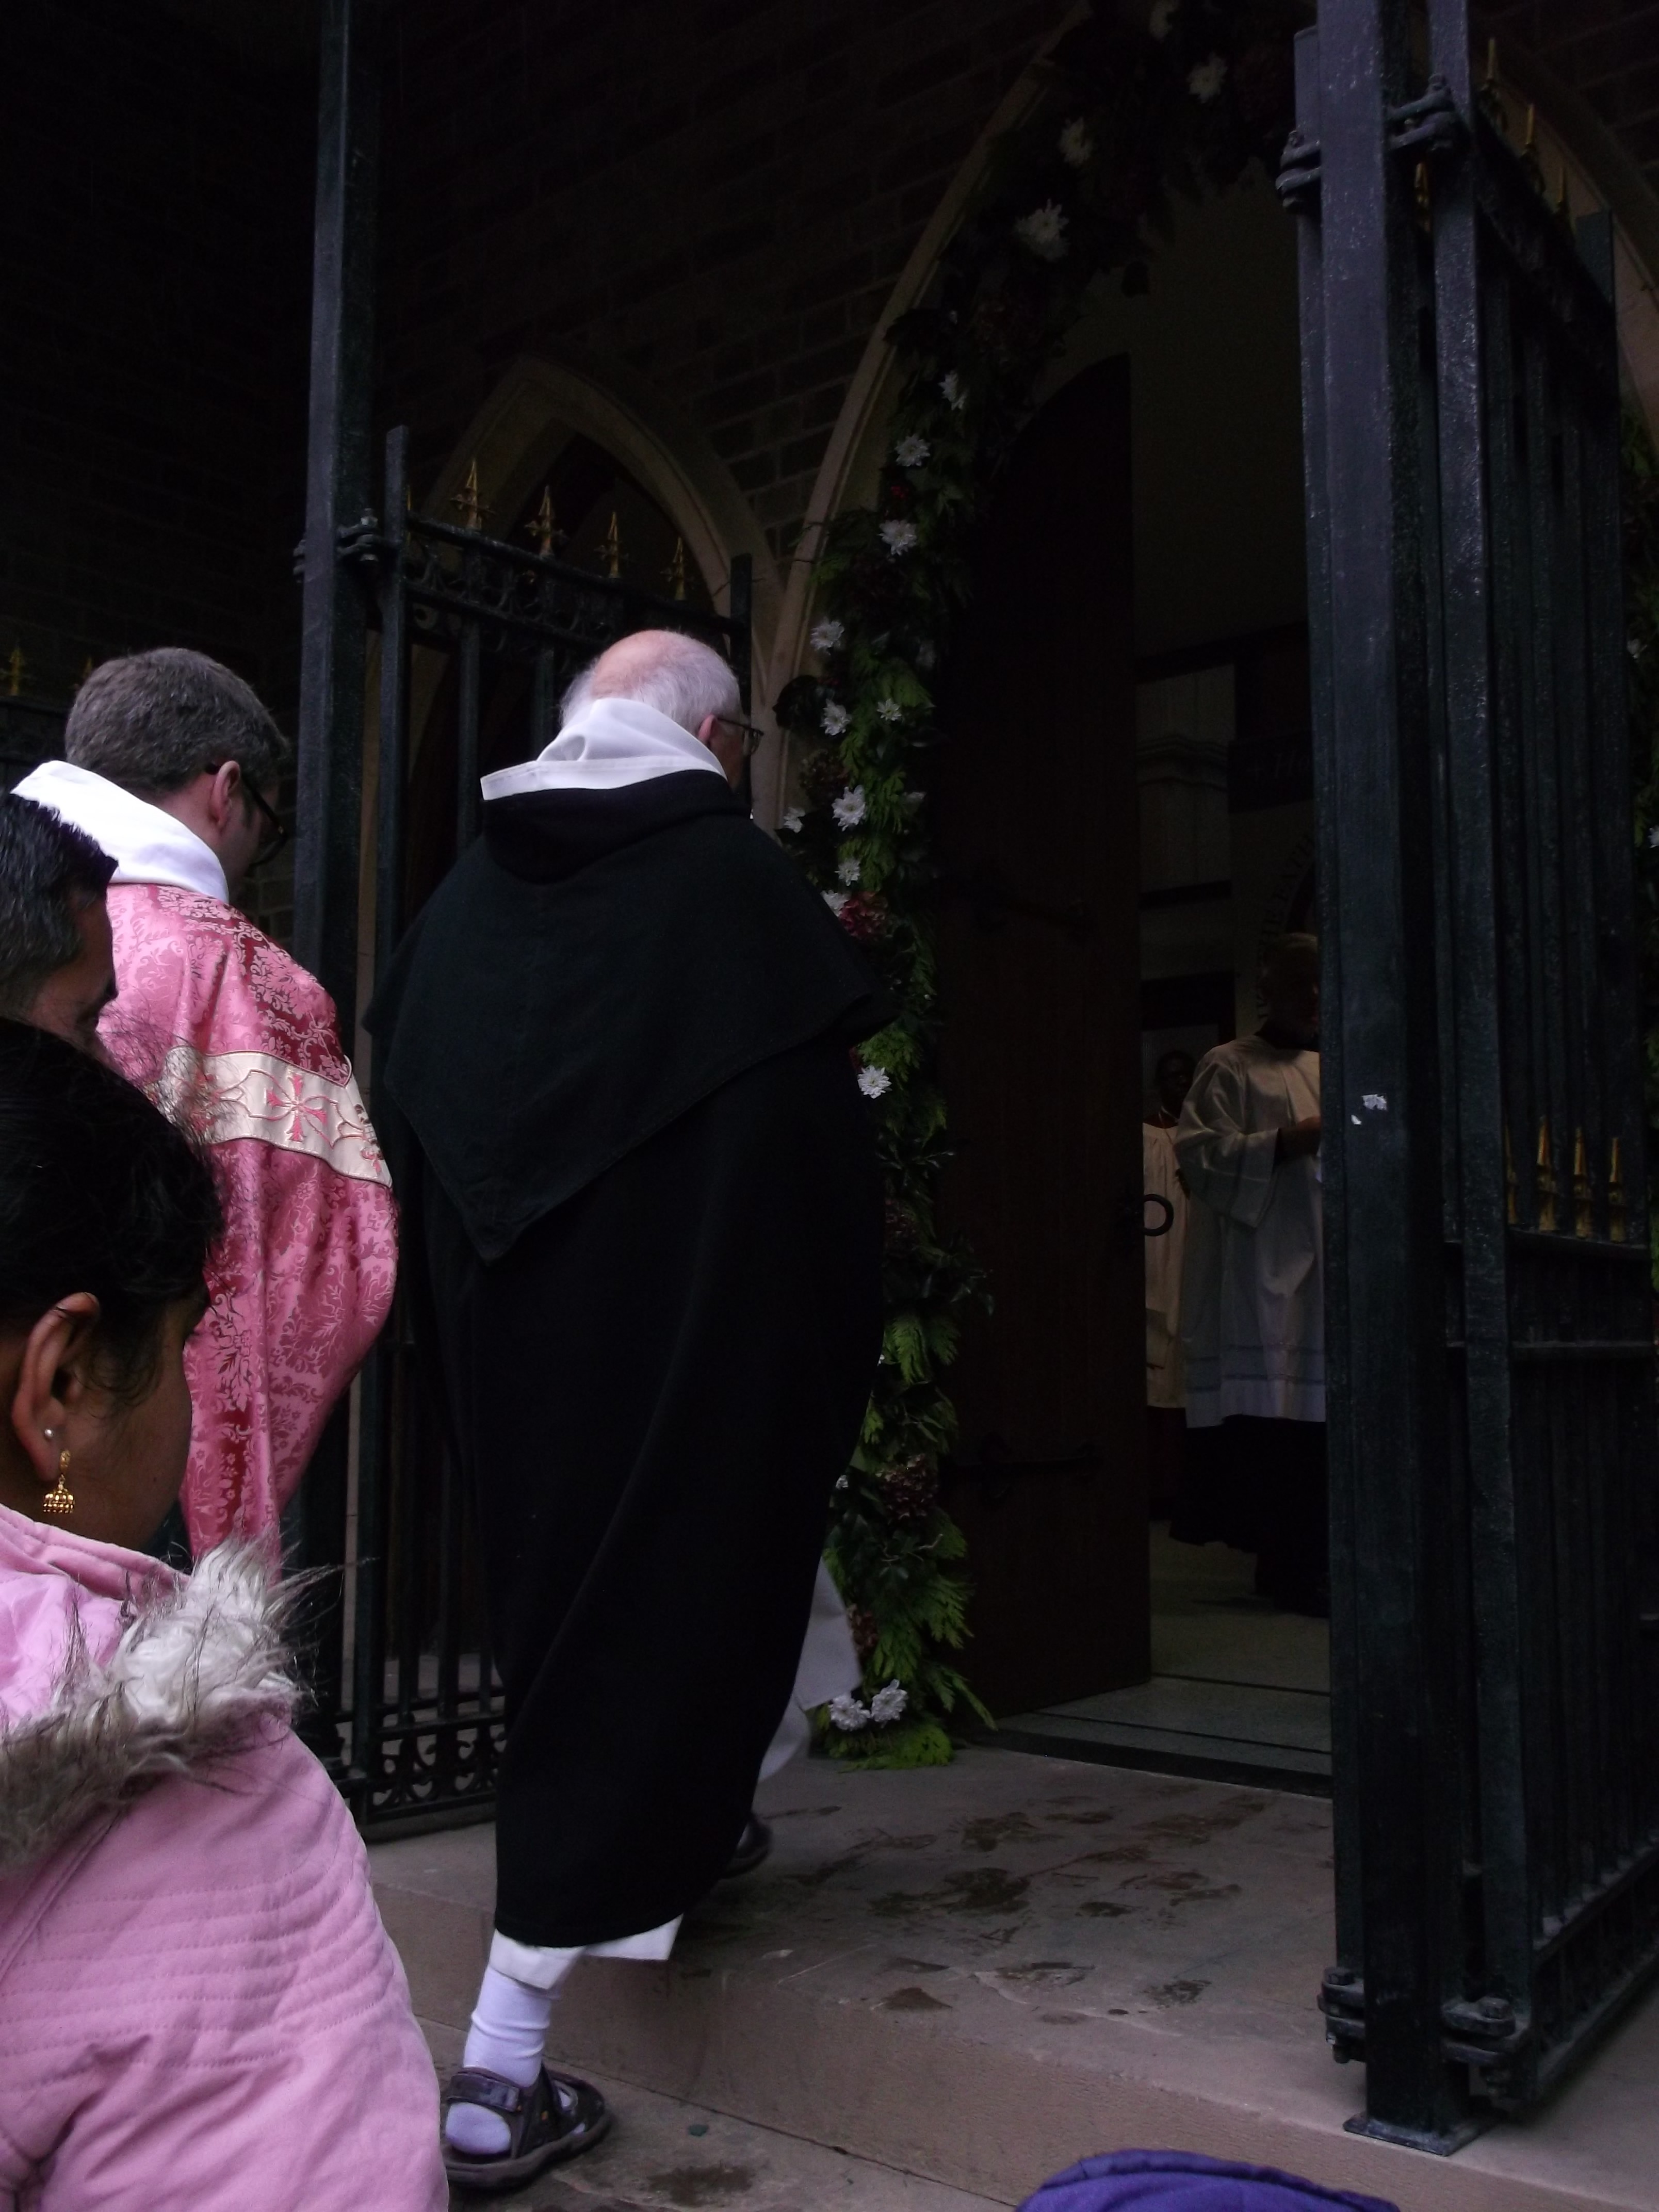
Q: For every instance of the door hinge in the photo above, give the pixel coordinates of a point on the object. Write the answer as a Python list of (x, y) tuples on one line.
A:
[(1422, 129), (1342, 2000), (1486, 2034)]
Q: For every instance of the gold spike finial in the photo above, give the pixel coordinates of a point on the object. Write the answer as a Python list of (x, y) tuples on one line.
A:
[(467, 501), (543, 526), (1420, 198), (1617, 1211), (16, 665), (1547, 1187), (1491, 99), (612, 549), (1583, 1216), (675, 571), (1511, 1205)]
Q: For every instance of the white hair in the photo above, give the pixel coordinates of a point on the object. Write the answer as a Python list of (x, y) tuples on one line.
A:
[(678, 675)]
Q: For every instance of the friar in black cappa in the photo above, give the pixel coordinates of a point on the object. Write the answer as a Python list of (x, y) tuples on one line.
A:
[(649, 1198)]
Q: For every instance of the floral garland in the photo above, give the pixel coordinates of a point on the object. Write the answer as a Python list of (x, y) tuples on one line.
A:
[(1138, 109)]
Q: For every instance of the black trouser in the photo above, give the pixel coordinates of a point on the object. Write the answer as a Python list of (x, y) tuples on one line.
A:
[(1262, 1485)]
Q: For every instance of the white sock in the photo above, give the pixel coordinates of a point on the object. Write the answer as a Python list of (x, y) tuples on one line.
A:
[(509, 2030)]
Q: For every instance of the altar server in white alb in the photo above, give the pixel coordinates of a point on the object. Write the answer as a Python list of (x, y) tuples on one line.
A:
[(1253, 1289)]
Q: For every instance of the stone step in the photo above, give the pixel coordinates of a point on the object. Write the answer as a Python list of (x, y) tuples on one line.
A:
[(979, 1974), (664, 2155)]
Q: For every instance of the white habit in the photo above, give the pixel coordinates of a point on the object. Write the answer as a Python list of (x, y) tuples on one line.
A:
[(1165, 1364), (1253, 1313)]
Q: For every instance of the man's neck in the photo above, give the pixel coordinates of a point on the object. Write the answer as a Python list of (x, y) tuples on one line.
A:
[(1288, 1036)]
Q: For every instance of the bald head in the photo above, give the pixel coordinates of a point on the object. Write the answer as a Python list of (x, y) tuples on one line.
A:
[(662, 668), (1289, 985)]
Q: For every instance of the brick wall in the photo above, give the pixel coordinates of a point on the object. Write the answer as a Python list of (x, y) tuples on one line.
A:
[(720, 195), (156, 214)]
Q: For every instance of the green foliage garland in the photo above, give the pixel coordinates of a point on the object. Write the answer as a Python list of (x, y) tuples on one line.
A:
[(1139, 107)]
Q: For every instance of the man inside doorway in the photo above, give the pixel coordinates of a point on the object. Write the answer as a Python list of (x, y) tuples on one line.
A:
[(1166, 1245), (173, 769), (652, 1222), (56, 962), (1252, 1288)]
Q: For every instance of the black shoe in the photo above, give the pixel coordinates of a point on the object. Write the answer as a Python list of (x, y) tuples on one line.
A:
[(754, 1845), (556, 2119)]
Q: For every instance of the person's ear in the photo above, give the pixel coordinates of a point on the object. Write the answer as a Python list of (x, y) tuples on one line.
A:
[(227, 799), (52, 1378), (706, 730)]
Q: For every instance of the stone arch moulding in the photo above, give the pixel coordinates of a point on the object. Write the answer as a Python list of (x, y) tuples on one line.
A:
[(1570, 140), (537, 406)]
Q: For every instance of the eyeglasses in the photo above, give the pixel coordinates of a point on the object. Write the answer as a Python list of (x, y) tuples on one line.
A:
[(277, 832), (753, 738)]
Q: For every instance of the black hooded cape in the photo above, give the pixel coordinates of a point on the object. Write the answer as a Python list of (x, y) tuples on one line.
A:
[(651, 1214)]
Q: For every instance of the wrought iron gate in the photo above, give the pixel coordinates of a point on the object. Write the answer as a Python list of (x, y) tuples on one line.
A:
[(1495, 1582), (424, 1715), (405, 1711)]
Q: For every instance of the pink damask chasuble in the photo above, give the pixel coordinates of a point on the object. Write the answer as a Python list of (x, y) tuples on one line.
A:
[(233, 1040)]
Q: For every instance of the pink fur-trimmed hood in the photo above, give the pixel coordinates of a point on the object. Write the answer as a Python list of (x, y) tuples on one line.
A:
[(115, 1672), (199, 2004)]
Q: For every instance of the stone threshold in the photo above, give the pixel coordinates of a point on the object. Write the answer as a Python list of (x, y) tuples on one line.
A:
[(977, 1974)]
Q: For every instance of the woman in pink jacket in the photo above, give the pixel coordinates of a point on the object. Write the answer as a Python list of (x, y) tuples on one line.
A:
[(199, 2008)]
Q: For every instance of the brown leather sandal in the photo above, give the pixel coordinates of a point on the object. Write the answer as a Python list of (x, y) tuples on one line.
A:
[(556, 2119)]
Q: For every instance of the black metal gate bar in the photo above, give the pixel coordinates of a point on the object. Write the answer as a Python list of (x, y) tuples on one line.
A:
[(424, 1746), (329, 800), (1388, 1407), (1496, 1685)]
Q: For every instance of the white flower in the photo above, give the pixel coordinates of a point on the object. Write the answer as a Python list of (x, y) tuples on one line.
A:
[(887, 1705), (899, 536), (835, 901), (792, 822), (1043, 231), (848, 809), (889, 710), (835, 719), (1163, 15), (826, 636), (927, 654), (1205, 82), (910, 453), (1653, 837), (951, 385), (873, 1081), (914, 798), (1637, 647), (850, 869), (1077, 147), (848, 1714)]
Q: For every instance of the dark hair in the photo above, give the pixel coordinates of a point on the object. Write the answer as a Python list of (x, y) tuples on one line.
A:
[(153, 721), (99, 1192), (49, 870)]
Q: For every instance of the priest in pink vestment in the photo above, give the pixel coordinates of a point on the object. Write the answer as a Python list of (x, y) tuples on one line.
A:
[(174, 767)]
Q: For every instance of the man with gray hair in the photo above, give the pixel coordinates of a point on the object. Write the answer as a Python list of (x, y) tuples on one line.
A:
[(651, 1212), (174, 768)]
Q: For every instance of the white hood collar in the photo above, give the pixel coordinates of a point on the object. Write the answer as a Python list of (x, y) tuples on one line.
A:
[(611, 743), (147, 845)]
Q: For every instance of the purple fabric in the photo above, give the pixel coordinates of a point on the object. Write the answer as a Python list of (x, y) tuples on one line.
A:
[(1183, 2181)]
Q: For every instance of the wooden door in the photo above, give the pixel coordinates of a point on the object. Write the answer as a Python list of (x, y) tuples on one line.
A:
[(1040, 988)]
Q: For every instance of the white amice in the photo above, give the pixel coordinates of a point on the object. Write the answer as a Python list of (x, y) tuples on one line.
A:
[(1253, 1312)]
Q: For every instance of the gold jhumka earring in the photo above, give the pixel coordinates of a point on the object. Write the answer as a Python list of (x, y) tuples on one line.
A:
[(60, 1501)]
